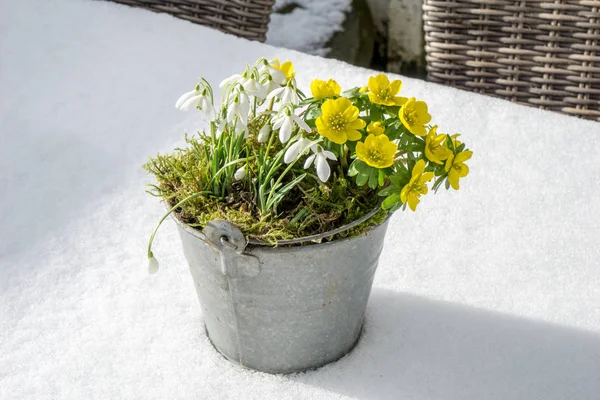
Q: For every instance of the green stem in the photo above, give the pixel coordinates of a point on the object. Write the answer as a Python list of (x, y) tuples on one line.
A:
[(344, 156), (175, 207)]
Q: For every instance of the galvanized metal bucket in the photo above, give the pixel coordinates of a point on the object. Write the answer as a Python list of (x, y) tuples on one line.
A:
[(281, 309)]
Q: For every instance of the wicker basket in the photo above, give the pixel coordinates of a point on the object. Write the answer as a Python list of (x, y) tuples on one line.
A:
[(245, 18), (540, 53)]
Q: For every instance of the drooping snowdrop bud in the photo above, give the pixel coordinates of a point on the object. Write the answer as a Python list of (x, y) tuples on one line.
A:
[(263, 134), (152, 265), (240, 174)]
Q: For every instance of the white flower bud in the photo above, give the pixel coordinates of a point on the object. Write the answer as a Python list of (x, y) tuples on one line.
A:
[(240, 174), (263, 135), (152, 265)]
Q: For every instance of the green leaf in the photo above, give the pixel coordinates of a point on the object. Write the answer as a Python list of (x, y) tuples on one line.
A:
[(390, 201), (276, 199), (375, 113), (362, 167), (388, 190), (313, 112), (354, 92), (381, 177), (352, 170), (361, 179), (373, 178)]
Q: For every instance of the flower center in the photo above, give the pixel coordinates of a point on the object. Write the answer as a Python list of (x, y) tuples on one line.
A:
[(375, 155), (410, 116), (337, 122), (457, 167), (384, 94)]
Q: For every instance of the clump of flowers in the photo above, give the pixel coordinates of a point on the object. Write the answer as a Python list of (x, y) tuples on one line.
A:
[(272, 152)]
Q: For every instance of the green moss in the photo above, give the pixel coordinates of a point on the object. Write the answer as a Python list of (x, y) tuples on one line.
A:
[(310, 208)]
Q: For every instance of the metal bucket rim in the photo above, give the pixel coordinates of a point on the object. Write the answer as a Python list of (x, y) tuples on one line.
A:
[(294, 243)]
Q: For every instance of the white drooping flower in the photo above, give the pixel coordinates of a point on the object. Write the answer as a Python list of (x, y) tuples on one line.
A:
[(197, 99), (220, 128), (254, 88), (239, 107), (264, 132), (269, 85), (276, 75), (287, 94), (225, 83), (296, 150), (240, 174), (320, 158), (285, 124), (152, 265)]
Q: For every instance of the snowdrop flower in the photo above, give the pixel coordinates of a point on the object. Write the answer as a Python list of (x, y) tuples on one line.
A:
[(320, 157), (152, 265), (264, 132), (197, 99), (285, 124), (296, 150), (220, 129), (276, 75), (269, 85), (240, 173), (240, 127), (287, 94), (254, 88), (225, 83), (240, 107)]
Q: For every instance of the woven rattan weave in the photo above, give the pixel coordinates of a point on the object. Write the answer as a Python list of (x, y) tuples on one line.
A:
[(244, 18), (541, 53)]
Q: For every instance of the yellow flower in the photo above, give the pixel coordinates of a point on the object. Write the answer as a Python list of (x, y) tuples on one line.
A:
[(383, 92), (414, 116), (456, 167), (417, 186), (321, 89), (363, 89), (287, 68), (434, 147), (375, 128), (377, 151), (339, 121)]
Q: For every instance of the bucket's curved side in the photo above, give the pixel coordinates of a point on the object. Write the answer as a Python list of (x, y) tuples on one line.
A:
[(212, 288), (304, 309)]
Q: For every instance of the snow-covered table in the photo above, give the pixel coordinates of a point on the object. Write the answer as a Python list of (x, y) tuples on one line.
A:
[(491, 292)]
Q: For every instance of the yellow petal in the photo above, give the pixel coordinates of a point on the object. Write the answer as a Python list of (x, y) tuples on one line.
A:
[(351, 113), (373, 84), (357, 124), (418, 168), (449, 162), (398, 101), (395, 87), (453, 179), (426, 177), (463, 156), (413, 201), (352, 135)]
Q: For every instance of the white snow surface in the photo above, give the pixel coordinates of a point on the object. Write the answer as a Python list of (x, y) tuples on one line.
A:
[(309, 26), (491, 292)]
